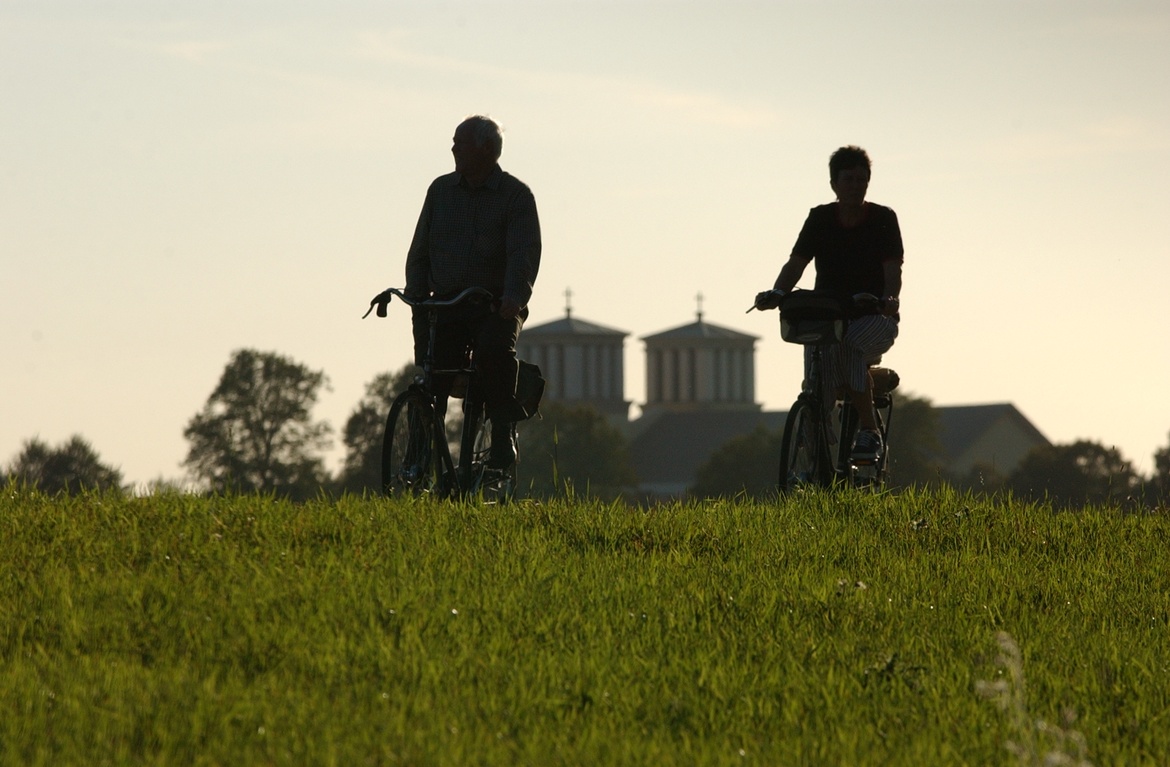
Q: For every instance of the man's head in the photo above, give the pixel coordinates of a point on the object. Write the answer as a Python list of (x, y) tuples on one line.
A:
[(476, 146)]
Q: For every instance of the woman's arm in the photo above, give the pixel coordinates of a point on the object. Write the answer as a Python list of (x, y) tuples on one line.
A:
[(893, 281), (790, 273)]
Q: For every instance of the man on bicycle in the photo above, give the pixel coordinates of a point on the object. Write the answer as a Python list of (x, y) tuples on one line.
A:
[(478, 228), (857, 248)]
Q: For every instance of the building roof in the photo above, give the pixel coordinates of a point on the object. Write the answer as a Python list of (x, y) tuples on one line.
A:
[(700, 329), (671, 449), (668, 452), (960, 426), (571, 326)]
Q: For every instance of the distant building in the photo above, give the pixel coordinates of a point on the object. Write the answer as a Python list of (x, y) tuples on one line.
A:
[(700, 366), (582, 363), (996, 436), (700, 394), (668, 451)]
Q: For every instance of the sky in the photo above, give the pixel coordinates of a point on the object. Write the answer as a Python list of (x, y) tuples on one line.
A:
[(181, 180)]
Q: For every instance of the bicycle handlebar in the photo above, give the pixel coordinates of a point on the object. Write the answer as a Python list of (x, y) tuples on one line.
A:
[(867, 303), (383, 298)]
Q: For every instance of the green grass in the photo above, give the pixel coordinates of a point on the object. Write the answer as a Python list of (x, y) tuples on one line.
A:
[(830, 629)]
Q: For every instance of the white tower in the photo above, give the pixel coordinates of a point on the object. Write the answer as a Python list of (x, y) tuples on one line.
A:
[(700, 366), (581, 362)]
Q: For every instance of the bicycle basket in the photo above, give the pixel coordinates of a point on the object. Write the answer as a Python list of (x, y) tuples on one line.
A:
[(813, 317), (529, 388)]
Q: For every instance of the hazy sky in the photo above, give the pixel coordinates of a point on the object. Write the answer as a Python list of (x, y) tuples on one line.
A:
[(179, 180)]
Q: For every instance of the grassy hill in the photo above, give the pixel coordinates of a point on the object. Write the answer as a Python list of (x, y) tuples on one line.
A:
[(848, 628)]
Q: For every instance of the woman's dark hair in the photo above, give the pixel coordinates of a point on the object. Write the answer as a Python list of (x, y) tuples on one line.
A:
[(847, 158)]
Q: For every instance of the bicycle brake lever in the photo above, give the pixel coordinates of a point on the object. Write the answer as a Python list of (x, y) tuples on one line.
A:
[(381, 307), (380, 300)]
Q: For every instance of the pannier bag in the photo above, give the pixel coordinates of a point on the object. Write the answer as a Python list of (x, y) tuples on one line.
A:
[(529, 388), (813, 317)]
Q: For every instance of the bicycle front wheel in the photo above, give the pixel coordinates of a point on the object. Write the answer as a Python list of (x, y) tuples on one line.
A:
[(477, 478), (409, 463), (804, 456)]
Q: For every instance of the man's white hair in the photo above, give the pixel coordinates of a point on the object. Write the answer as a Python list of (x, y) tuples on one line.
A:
[(487, 133)]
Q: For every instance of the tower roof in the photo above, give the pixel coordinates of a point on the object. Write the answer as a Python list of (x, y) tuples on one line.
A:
[(700, 329), (572, 326)]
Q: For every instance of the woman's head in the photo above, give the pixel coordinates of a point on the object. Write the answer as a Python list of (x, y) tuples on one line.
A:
[(849, 175), (848, 158)]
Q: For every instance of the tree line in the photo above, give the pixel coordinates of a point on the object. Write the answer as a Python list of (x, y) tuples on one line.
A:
[(256, 434)]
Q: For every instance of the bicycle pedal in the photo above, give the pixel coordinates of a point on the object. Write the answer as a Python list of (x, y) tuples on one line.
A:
[(864, 475)]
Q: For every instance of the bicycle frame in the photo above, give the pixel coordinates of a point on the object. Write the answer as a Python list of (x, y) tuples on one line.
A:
[(811, 437), (868, 472), (807, 457), (453, 479)]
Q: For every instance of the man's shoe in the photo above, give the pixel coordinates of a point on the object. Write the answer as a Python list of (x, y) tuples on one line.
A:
[(867, 446), (503, 450)]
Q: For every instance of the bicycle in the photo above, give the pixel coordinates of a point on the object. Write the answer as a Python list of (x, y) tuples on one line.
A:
[(816, 319), (416, 456)]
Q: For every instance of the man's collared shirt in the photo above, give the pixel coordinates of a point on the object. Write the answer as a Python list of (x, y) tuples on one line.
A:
[(486, 236)]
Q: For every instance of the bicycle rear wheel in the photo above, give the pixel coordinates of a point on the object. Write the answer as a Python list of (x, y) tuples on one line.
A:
[(804, 456), (409, 463)]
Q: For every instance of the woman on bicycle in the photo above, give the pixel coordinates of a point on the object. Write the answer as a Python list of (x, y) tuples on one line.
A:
[(856, 247)]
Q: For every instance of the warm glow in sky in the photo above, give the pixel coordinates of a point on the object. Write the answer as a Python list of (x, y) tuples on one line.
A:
[(179, 180)]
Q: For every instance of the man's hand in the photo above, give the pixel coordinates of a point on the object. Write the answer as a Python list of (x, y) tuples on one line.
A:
[(890, 305), (509, 308), (768, 299)]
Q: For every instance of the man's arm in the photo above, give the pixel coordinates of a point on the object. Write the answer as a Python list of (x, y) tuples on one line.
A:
[(418, 258), (524, 246)]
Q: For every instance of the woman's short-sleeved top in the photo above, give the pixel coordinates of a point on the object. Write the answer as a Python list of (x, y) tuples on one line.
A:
[(850, 260)]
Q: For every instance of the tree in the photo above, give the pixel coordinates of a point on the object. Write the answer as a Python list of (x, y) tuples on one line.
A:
[(914, 442), (256, 433), (573, 448), (1076, 474), (71, 468), (1161, 478), (748, 464), (364, 428)]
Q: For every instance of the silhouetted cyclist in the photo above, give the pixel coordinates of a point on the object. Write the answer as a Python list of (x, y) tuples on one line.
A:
[(857, 248), (478, 228)]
